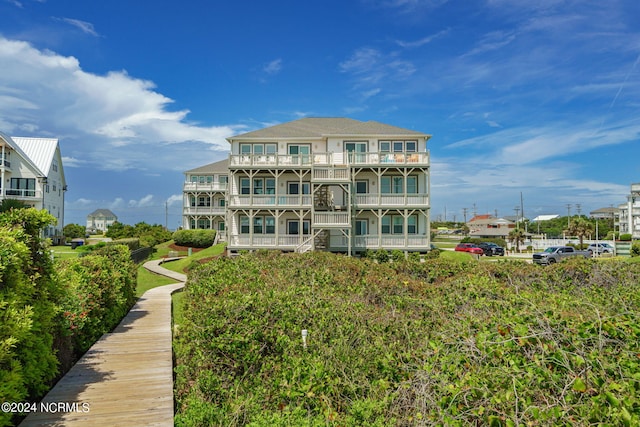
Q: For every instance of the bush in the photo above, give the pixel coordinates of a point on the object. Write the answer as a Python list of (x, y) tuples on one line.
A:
[(433, 343), (625, 237), (635, 249), (194, 238), (382, 256), (100, 291), (28, 307), (397, 255)]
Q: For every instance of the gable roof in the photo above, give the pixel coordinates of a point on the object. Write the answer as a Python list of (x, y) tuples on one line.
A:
[(40, 150), (216, 167), (18, 149), (323, 127), (99, 213)]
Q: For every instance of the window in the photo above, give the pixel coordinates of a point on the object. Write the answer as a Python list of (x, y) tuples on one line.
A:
[(245, 186), (398, 146), (398, 186), (271, 148), (385, 146), (221, 226), (257, 225), (22, 187), (362, 226), (258, 186), (244, 224), (192, 202), (411, 146), (398, 224), (223, 179), (294, 187), (270, 186), (386, 224), (299, 153), (245, 149), (204, 201), (412, 184), (204, 224), (385, 185), (293, 227), (194, 179), (269, 225), (412, 224), (361, 187), (222, 203), (258, 149)]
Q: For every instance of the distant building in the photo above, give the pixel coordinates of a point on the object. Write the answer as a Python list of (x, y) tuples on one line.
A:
[(31, 171), (604, 213), (545, 217), (204, 197), (487, 226), (101, 220), (629, 213)]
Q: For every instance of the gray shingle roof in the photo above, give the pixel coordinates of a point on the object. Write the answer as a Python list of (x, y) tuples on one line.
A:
[(101, 213), (217, 167), (322, 127)]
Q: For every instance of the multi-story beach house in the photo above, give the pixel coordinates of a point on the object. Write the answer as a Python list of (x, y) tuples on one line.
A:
[(100, 220), (332, 184), (204, 197), (629, 213), (31, 171)]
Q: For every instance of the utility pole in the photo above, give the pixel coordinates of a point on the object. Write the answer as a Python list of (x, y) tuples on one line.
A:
[(568, 215), (166, 215), (464, 212), (517, 210), (475, 210), (578, 208)]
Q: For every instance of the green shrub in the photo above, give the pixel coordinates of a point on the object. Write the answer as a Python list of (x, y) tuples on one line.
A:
[(100, 291), (28, 308), (433, 343), (625, 237), (397, 255), (635, 249), (194, 238), (382, 256)]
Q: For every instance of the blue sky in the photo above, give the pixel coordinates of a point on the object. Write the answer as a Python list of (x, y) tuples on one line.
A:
[(539, 98)]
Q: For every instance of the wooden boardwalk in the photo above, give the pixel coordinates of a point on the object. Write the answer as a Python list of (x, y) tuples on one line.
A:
[(126, 378)]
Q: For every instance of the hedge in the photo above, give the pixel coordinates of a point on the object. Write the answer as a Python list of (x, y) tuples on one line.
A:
[(194, 238)]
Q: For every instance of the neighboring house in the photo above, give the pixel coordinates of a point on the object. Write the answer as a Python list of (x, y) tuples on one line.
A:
[(604, 213), (545, 217), (629, 213), (487, 226), (31, 171), (204, 197), (100, 220), (333, 184)]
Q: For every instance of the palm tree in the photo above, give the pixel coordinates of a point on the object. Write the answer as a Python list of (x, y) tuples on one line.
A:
[(8, 204), (579, 228), (517, 237)]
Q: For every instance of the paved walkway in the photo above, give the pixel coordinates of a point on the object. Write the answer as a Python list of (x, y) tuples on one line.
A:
[(126, 378)]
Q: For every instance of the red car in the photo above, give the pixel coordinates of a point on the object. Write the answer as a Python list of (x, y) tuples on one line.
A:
[(469, 247)]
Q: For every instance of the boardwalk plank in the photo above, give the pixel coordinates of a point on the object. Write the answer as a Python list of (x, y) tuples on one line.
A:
[(126, 377)]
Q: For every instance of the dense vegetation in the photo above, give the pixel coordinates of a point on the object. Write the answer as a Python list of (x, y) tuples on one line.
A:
[(408, 343), (51, 313), (149, 235), (194, 238)]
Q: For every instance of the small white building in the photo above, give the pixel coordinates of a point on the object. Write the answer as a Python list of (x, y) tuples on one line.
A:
[(629, 213), (101, 220), (31, 171)]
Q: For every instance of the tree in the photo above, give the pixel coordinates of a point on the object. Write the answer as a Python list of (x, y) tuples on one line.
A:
[(72, 231), (517, 237), (7, 204), (579, 228)]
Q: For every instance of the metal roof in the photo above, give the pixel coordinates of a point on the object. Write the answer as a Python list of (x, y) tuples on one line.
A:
[(11, 141), (101, 213), (40, 151), (323, 127)]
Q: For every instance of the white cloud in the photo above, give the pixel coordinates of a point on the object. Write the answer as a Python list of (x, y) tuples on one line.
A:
[(143, 202), (423, 41), (112, 121), (174, 199), (85, 27), (273, 67)]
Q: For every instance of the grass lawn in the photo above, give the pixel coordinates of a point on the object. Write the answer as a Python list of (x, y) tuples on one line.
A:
[(63, 252), (180, 265), (177, 302), (148, 280)]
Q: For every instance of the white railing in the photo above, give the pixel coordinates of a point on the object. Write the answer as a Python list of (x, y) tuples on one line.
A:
[(391, 200), (270, 200), (372, 241), (204, 210), (331, 219), (326, 159), (27, 194), (331, 174), (306, 245), (211, 186)]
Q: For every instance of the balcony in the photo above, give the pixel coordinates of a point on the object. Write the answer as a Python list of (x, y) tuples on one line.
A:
[(21, 193), (240, 161), (204, 210), (208, 187), (385, 241), (378, 200), (283, 241), (331, 220), (270, 201), (331, 174)]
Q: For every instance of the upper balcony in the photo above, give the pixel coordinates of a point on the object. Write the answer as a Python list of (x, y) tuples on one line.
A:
[(21, 194), (205, 187), (390, 200), (285, 161)]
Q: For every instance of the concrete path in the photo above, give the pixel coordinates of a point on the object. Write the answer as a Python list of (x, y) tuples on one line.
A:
[(124, 379)]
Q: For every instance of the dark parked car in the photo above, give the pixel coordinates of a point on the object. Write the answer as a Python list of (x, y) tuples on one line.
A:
[(491, 249), (469, 247)]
